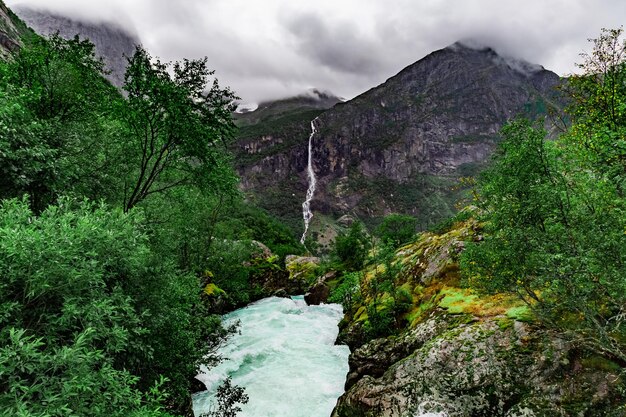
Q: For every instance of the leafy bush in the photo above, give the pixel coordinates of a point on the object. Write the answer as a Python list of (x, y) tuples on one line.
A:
[(397, 229), (228, 396), (348, 291), (555, 236), (86, 305), (380, 321), (351, 248)]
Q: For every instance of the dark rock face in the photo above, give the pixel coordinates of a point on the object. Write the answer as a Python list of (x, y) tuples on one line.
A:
[(393, 147), (318, 293), (11, 31), (112, 42), (478, 368)]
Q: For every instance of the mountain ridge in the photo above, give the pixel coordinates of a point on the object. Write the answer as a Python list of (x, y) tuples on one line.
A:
[(400, 146)]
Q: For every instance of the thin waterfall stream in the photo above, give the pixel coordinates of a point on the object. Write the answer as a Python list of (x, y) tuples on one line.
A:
[(307, 214)]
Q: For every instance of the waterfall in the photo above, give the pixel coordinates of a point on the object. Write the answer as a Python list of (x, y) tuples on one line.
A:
[(306, 206), (421, 409)]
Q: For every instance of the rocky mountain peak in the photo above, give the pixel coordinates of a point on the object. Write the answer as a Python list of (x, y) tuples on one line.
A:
[(401, 146), (11, 31), (516, 64), (113, 42)]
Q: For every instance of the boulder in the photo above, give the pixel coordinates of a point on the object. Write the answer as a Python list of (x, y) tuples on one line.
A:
[(318, 293), (196, 385), (346, 220), (489, 367), (281, 292)]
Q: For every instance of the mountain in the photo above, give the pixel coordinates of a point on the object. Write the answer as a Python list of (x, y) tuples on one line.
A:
[(113, 43), (12, 31), (270, 116), (399, 147)]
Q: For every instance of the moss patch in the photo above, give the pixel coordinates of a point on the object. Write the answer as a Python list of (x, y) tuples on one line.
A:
[(520, 313), (213, 290), (466, 301)]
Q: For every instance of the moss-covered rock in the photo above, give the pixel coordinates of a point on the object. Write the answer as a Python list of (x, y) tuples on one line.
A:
[(460, 352), (476, 369)]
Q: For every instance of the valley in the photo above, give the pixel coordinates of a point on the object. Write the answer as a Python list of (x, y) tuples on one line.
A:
[(448, 243)]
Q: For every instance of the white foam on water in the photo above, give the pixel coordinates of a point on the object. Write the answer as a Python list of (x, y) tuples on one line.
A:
[(284, 357)]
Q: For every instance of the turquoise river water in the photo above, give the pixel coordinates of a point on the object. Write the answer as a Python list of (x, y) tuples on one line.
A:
[(285, 357)]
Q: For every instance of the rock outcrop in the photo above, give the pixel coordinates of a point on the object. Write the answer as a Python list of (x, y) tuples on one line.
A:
[(479, 368), (318, 293), (455, 352), (12, 30)]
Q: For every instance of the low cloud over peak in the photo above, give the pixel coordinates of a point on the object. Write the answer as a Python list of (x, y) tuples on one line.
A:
[(267, 50)]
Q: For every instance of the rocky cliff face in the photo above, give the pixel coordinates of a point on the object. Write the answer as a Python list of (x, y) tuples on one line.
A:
[(112, 42), (400, 146), (12, 31)]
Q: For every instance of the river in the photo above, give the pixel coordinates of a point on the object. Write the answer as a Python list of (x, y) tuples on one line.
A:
[(285, 358)]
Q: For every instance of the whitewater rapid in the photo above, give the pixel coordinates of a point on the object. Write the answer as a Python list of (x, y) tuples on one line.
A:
[(285, 357), (307, 214)]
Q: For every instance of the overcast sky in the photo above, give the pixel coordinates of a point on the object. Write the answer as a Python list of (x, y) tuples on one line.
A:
[(267, 49)]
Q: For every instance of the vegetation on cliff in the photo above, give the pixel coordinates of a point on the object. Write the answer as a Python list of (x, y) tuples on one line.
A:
[(554, 211)]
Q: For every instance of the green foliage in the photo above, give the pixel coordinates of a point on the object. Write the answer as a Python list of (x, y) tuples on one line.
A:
[(70, 328), (55, 118), (598, 104), (431, 198), (397, 229), (351, 248), (243, 221), (348, 291), (386, 301), (228, 396), (447, 224), (101, 304), (229, 265), (555, 236), (175, 124), (64, 77), (380, 320)]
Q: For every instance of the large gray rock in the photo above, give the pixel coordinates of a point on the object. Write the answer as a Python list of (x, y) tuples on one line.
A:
[(10, 32), (486, 367), (319, 292)]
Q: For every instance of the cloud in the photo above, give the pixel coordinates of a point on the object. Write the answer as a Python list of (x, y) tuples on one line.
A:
[(339, 47), (274, 48)]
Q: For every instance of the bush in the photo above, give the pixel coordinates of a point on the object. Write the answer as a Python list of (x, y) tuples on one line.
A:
[(348, 291), (397, 229), (90, 319), (351, 248)]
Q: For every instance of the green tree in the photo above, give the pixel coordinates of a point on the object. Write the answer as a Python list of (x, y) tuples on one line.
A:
[(55, 116), (555, 236), (352, 247), (66, 317), (228, 398), (176, 125), (397, 229), (91, 320), (598, 106)]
